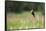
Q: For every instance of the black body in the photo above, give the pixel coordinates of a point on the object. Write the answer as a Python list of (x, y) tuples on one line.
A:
[(33, 13)]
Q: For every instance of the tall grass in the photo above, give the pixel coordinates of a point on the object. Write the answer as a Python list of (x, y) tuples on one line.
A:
[(24, 21)]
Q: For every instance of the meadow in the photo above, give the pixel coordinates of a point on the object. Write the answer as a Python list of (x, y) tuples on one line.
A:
[(25, 20)]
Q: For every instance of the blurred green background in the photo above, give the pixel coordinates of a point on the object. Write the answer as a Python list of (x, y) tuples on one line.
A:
[(19, 15)]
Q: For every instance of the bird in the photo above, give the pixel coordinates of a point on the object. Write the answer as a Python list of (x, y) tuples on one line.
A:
[(33, 13)]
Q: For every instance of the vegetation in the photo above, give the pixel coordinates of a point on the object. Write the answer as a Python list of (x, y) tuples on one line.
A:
[(20, 17), (25, 21)]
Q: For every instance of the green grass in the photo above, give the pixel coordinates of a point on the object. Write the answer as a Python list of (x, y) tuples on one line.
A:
[(23, 21)]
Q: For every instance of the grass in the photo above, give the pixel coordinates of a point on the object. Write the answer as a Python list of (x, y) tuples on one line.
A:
[(24, 21)]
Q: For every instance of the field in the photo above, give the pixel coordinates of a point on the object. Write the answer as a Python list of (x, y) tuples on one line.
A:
[(25, 20)]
